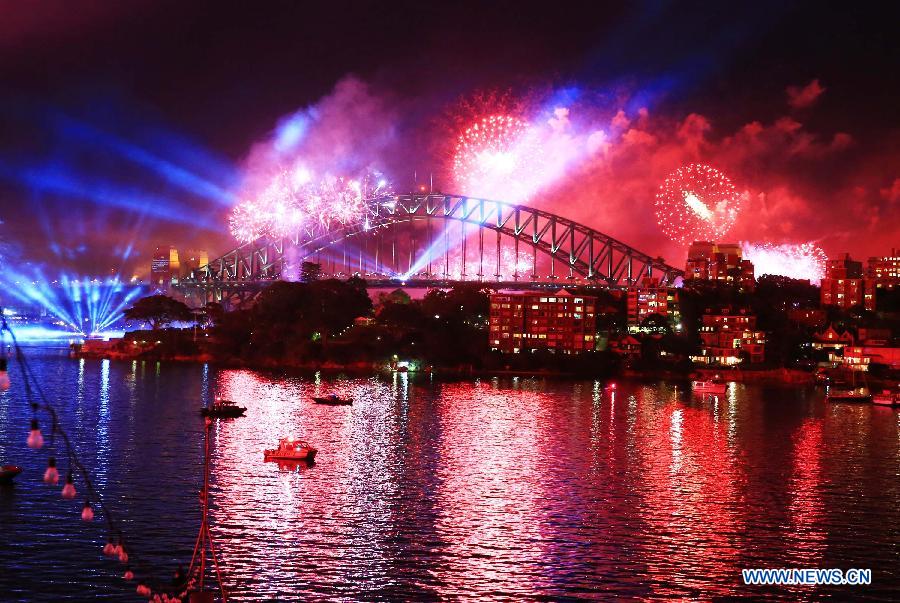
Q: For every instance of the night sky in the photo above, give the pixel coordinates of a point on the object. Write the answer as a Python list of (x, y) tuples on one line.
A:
[(126, 125)]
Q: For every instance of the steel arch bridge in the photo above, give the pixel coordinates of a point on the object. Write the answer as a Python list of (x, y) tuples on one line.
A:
[(411, 238)]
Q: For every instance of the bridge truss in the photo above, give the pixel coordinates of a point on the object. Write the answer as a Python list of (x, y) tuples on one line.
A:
[(434, 239)]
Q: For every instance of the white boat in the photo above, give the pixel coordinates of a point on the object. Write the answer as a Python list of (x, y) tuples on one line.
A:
[(887, 398), (709, 387), (290, 449)]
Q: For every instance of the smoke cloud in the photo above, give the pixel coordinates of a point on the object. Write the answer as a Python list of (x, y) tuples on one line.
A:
[(606, 162), (351, 130), (800, 98)]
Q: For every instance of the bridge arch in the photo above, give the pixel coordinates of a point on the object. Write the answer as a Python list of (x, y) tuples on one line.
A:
[(583, 251)]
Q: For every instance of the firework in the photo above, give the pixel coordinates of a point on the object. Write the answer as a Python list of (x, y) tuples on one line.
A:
[(697, 203), (498, 157), (245, 222), (294, 201), (801, 261)]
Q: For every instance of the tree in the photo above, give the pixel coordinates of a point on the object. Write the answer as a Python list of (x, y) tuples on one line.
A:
[(159, 311), (310, 271), (214, 312), (656, 323)]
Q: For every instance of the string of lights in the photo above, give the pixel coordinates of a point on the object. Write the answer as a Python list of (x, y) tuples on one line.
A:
[(115, 547)]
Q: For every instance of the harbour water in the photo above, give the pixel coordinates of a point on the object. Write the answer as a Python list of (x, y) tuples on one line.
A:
[(490, 489)]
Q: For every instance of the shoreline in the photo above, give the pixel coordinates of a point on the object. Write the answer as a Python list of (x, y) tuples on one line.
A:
[(781, 376)]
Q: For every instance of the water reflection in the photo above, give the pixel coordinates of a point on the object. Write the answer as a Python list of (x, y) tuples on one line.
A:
[(498, 489)]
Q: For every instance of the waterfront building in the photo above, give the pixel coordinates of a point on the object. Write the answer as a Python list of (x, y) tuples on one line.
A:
[(560, 322), (870, 336), (860, 358), (730, 337), (626, 346), (884, 272), (720, 263), (844, 285), (832, 342), (651, 298)]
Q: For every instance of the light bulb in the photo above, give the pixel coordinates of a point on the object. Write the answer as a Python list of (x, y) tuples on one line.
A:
[(87, 513), (109, 548), (51, 475), (123, 556), (143, 590), (35, 439), (128, 575), (68, 490)]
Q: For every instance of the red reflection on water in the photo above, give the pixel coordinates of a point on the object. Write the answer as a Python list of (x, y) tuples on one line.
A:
[(493, 444), (692, 501), (806, 534), (327, 523)]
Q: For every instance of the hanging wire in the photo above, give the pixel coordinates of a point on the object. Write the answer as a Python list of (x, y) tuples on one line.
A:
[(115, 546)]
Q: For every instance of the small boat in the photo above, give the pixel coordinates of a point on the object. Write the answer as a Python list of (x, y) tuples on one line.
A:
[(848, 395), (223, 408), (887, 398), (332, 400), (290, 449), (8, 472), (709, 387)]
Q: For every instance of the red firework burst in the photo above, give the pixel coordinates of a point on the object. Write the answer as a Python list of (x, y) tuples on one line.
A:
[(697, 203)]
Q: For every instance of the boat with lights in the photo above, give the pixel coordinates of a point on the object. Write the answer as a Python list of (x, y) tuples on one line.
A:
[(223, 408), (853, 393), (887, 398), (709, 387), (290, 449), (858, 394), (332, 400)]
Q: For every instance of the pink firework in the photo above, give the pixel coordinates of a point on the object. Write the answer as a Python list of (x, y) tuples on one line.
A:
[(342, 200), (276, 212), (801, 261), (245, 223), (295, 202), (498, 157), (697, 203)]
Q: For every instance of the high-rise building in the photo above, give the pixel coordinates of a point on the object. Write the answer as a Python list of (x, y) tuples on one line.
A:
[(844, 266), (729, 337), (719, 262), (174, 265), (524, 322), (169, 265), (884, 272), (844, 285), (651, 298), (160, 268)]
